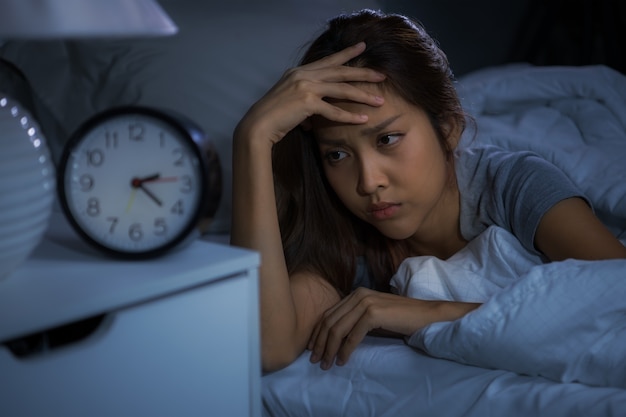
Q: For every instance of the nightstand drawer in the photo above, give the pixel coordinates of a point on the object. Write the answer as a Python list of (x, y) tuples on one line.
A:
[(185, 354)]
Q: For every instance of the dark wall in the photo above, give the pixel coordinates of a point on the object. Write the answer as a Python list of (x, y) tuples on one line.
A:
[(481, 33)]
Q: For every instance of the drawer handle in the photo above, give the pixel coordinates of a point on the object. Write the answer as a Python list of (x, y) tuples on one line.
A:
[(45, 342)]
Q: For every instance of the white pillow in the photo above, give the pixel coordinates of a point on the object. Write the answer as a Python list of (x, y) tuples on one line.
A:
[(489, 263)]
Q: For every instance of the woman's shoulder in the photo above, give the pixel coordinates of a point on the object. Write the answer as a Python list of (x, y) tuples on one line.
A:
[(510, 189), (488, 161)]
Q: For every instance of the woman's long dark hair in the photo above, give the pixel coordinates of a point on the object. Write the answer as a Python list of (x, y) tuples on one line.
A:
[(319, 234)]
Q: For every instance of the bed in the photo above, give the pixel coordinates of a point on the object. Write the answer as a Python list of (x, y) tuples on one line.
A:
[(550, 339)]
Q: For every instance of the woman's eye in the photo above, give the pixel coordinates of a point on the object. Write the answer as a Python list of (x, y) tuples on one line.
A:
[(388, 139), (335, 156)]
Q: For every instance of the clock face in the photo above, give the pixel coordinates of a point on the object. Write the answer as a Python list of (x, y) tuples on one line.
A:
[(132, 183)]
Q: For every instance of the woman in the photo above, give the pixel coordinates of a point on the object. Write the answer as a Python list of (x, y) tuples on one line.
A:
[(350, 164)]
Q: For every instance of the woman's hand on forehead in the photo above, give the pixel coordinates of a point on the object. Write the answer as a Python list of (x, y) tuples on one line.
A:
[(310, 90)]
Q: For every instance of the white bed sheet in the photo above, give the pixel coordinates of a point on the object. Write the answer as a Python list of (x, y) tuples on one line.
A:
[(387, 378)]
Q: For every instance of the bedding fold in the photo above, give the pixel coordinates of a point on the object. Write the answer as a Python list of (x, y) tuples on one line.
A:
[(565, 321)]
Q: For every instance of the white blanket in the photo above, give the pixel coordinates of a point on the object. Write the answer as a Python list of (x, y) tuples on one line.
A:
[(565, 320), (489, 263)]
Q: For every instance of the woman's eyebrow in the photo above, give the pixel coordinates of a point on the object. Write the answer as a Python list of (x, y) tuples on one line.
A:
[(364, 132), (382, 125)]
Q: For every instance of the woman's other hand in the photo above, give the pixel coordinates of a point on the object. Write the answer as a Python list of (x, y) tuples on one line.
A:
[(345, 325)]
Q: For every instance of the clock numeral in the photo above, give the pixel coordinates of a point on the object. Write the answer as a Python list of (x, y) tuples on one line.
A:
[(135, 131), (179, 157), (93, 207), (134, 232), (110, 139), (95, 157), (178, 208), (160, 227), (186, 184), (113, 221), (86, 182)]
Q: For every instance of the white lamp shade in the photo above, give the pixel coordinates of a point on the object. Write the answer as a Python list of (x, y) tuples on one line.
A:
[(55, 19), (27, 185)]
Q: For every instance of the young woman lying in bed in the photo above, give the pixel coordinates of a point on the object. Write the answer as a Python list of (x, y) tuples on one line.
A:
[(350, 164)]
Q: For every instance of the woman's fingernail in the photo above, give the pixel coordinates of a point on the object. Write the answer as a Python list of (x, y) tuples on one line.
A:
[(314, 358)]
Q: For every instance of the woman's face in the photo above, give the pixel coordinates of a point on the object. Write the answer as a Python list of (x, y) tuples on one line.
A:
[(391, 171)]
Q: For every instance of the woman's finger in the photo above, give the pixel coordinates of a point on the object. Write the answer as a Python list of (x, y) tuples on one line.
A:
[(350, 328), (336, 74), (317, 341), (336, 325), (362, 327), (319, 100), (338, 58), (347, 91)]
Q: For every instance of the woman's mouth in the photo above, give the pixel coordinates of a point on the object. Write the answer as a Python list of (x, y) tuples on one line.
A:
[(383, 211)]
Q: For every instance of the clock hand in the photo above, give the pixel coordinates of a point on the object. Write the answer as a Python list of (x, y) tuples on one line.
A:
[(131, 199), (138, 183), (152, 196), (164, 179), (152, 177)]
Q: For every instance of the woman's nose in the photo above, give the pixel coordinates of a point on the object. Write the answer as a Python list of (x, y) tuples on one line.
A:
[(371, 176)]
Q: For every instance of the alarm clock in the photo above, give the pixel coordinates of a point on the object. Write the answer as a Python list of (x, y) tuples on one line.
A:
[(136, 182)]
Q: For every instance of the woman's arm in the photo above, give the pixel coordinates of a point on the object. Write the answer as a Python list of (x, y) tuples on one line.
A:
[(567, 230), (345, 325), (290, 306), (570, 229)]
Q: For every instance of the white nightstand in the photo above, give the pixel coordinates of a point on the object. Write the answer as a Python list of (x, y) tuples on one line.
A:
[(175, 336)]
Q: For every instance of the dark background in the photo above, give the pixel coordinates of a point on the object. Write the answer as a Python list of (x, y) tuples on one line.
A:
[(480, 33)]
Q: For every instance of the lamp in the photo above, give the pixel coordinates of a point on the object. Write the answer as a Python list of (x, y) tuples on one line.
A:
[(54, 19), (27, 172)]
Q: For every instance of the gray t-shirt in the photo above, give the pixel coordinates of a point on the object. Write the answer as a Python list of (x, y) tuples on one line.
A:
[(512, 190)]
